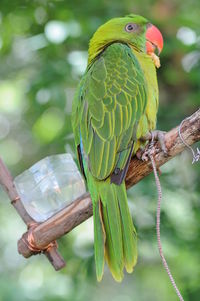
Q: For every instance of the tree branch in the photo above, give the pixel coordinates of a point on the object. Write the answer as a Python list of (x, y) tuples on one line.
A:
[(81, 209), (190, 132)]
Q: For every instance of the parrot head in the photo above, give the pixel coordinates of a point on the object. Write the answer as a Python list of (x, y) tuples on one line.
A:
[(133, 30)]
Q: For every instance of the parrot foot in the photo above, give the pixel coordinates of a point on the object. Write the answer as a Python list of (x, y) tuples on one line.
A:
[(160, 137), (151, 149), (143, 154)]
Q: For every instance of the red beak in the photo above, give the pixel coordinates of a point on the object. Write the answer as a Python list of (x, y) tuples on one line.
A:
[(154, 39)]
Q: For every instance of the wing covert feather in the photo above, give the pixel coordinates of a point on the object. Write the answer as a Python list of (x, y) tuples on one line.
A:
[(112, 100)]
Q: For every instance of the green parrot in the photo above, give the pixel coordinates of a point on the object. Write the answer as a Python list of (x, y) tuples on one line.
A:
[(114, 107)]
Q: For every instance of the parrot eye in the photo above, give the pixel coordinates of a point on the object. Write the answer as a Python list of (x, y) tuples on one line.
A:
[(130, 27)]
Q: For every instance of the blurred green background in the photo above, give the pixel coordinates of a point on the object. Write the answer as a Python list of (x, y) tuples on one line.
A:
[(43, 53)]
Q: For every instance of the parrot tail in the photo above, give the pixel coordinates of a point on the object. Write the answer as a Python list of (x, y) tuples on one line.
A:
[(115, 237)]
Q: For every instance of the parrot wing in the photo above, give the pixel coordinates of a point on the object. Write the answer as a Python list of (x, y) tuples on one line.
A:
[(109, 103)]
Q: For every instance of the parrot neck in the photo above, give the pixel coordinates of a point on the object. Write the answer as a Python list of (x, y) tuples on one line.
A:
[(96, 48), (149, 69)]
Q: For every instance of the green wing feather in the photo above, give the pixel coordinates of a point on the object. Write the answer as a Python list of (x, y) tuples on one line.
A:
[(109, 104), (111, 100)]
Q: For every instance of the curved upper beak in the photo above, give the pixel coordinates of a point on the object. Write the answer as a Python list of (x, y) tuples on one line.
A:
[(154, 39)]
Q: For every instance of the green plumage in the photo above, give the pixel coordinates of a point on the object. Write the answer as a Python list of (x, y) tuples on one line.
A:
[(110, 113)]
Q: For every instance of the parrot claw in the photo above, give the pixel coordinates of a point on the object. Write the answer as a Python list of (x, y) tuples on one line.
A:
[(150, 148), (143, 154), (160, 137)]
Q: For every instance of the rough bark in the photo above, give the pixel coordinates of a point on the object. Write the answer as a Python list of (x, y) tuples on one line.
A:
[(190, 131)]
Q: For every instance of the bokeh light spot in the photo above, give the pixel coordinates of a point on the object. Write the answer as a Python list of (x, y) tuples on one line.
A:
[(186, 35), (11, 151), (43, 96), (78, 59), (56, 31), (10, 97), (190, 60), (49, 125)]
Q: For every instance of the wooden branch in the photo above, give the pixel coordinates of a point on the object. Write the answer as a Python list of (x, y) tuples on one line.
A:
[(59, 224), (81, 209), (190, 131), (7, 182)]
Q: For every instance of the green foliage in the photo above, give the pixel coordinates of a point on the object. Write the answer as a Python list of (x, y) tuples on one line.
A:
[(39, 72)]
